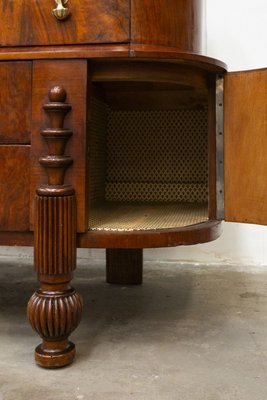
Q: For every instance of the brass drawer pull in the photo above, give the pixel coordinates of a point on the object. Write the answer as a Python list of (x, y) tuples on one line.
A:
[(61, 12)]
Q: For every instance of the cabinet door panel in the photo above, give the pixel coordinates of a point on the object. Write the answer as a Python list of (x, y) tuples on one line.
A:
[(246, 147), (15, 102), (31, 22), (14, 188)]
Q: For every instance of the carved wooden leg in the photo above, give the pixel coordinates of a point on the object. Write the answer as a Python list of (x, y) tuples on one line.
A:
[(124, 266), (55, 310)]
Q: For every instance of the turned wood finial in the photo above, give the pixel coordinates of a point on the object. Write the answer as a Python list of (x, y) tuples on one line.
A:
[(57, 94), (57, 108), (56, 137)]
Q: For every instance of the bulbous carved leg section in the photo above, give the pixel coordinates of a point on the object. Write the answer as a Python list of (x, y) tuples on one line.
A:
[(54, 315)]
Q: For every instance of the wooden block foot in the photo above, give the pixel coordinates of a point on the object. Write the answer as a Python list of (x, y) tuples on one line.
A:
[(124, 266)]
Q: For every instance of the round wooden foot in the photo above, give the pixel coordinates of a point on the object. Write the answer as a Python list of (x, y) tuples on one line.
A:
[(54, 354)]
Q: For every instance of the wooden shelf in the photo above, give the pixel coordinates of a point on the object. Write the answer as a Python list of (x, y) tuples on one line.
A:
[(118, 216)]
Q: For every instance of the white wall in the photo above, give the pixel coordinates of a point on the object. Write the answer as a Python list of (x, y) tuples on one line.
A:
[(237, 34)]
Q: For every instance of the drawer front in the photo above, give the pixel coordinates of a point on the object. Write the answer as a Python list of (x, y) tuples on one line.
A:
[(31, 22), (15, 102), (14, 188)]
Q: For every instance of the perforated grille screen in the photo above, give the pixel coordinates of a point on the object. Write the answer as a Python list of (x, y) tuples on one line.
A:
[(97, 152), (157, 155), (135, 216), (147, 156)]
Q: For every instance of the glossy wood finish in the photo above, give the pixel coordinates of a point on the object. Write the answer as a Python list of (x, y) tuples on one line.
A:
[(55, 310), (14, 188), (30, 22), (245, 147), (46, 72), (175, 23), (154, 42), (124, 266), (54, 315), (180, 57), (64, 52), (72, 75), (188, 236), (9, 238), (122, 81), (194, 234), (149, 71), (126, 51), (15, 102)]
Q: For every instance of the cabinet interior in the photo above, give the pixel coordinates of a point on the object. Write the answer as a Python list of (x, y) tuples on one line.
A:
[(147, 155)]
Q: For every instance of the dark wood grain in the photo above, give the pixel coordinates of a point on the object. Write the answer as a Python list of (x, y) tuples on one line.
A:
[(176, 23), (151, 46), (54, 315), (55, 205), (131, 51), (14, 188), (173, 23), (201, 233), (64, 52), (9, 238), (148, 71), (15, 102), (30, 22), (72, 75), (181, 57), (187, 236), (55, 310)]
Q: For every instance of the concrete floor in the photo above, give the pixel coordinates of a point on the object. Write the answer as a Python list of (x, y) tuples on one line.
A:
[(189, 333)]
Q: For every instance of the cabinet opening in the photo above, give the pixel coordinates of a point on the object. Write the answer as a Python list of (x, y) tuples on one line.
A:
[(147, 156)]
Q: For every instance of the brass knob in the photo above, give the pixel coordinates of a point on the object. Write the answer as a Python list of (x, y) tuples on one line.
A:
[(61, 12)]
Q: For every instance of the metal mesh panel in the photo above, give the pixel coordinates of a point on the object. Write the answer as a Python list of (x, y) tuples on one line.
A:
[(162, 150), (97, 151), (147, 169), (151, 192), (132, 216)]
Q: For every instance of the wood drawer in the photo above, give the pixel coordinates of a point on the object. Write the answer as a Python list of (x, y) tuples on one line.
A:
[(15, 102), (31, 22), (14, 188)]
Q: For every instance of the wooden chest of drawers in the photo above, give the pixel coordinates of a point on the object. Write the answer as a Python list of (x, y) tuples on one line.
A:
[(31, 23), (112, 136)]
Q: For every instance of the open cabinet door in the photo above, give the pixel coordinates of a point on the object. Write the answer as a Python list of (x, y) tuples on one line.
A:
[(245, 160)]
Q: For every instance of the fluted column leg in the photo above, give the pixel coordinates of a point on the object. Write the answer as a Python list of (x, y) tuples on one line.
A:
[(55, 310)]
